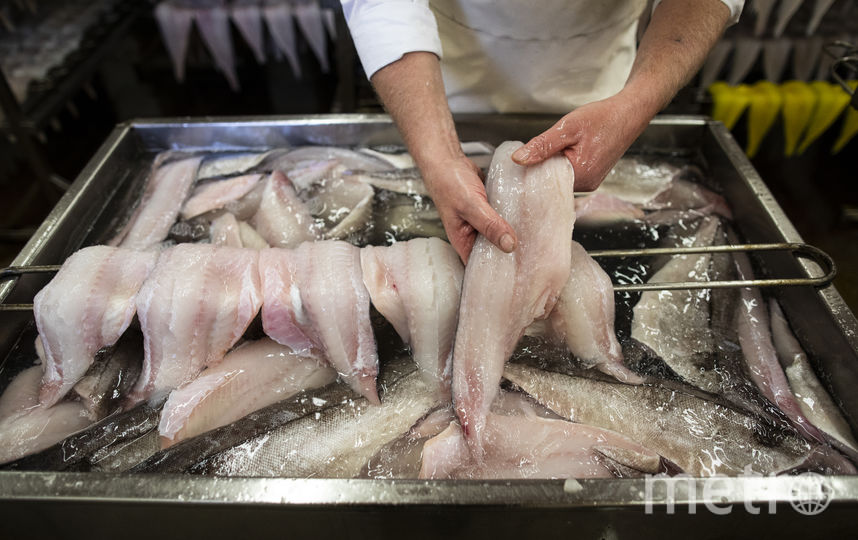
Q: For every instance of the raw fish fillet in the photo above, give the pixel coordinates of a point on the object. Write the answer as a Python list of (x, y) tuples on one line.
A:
[(250, 377), (350, 159), (39, 428), (316, 303), (217, 194), (87, 306), (22, 393), (407, 181), (309, 19), (225, 231), (702, 437), (283, 220), (685, 195), (636, 182), (248, 20), (344, 205), (231, 164), (416, 285), (213, 24), (503, 293), (599, 209), (754, 329), (194, 307), (166, 189), (175, 24), (583, 317), (250, 238), (532, 447), (814, 401), (278, 18)]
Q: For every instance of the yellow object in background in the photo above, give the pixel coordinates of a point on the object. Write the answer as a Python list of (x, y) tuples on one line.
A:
[(850, 125), (830, 102), (729, 102), (766, 101), (799, 102)]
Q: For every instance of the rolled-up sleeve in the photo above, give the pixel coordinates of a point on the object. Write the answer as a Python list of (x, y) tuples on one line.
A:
[(735, 7), (384, 30)]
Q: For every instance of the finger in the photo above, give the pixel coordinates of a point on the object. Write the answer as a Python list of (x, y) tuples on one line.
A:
[(544, 145), (484, 219), (464, 244)]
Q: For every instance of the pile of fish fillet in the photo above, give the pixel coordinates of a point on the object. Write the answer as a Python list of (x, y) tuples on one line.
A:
[(298, 313)]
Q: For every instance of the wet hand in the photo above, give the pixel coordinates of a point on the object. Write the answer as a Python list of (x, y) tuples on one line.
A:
[(460, 196), (592, 137)]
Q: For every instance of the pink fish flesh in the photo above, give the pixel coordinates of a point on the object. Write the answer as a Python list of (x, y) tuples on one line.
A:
[(251, 377), (213, 24), (316, 303), (309, 19), (278, 18), (283, 220), (194, 307), (175, 24), (416, 285), (87, 306), (224, 231), (503, 293), (248, 20), (600, 208), (217, 194)]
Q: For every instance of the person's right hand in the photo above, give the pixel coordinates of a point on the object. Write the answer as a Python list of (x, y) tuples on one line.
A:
[(460, 197)]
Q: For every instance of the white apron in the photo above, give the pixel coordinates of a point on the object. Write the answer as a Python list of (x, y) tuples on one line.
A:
[(545, 56)]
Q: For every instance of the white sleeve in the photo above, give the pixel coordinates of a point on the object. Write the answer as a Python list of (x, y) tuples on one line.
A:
[(384, 30), (735, 7)]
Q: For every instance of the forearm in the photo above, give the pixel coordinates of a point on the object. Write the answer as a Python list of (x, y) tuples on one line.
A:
[(412, 91), (672, 49)]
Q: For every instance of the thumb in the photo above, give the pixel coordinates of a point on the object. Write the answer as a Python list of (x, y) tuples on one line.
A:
[(487, 222), (543, 146)]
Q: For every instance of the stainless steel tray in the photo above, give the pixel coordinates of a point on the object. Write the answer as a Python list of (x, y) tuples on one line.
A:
[(93, 504)]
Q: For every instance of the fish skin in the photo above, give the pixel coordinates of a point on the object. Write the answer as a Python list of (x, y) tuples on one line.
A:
[(175, 25), (296, 414), (195, 306), (252, 376), (538, 203), (213, 24), (316, 303), (533, 447), (583, 317), (123, 455), (282, 219), (702, 437), (417, 285), (166, 189), (814, 400), (336, 444), (112, 376), (88, 304), (216, 194), (754, 330)]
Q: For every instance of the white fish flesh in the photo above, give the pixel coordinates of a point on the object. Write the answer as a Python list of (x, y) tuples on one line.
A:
[(685, 195), (396, 160), (599, 209), (39, 428), (538, 203), (278, 18), (315, 302), (282, 219), (194, 307), (407, 181), (224, 231), (175, 24), (416, 285), (230, 164), (22, 393), (253, 376), (702, 437), (166, 189), (814, 401), (217, 194), (583, 317), (344, 205), (250, 238), (350, 159), (213, 24), (636, 182), (754, 329), (87, 306), (307, 174), (527, 447)]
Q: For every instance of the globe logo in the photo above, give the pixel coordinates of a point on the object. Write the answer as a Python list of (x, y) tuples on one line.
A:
[(810, 494)]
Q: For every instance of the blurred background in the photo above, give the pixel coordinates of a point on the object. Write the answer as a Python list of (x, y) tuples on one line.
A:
[(73, 69)]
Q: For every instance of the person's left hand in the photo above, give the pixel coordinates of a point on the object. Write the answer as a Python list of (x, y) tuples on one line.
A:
[(593, 137)]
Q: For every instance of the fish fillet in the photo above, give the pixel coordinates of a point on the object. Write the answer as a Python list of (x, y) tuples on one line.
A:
[(39, 428), (87, 306), (248, 20), (283, 220), (166, 189), (416, 285), (217, 194), (225, 231), (278, 18), (175, 24), (194, 307), (503, 293), (309, 19), (316, 303), (213, 24), (249, 378)]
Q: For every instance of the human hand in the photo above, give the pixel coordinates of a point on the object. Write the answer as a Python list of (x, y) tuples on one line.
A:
[(460, 196), (592, 137)]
